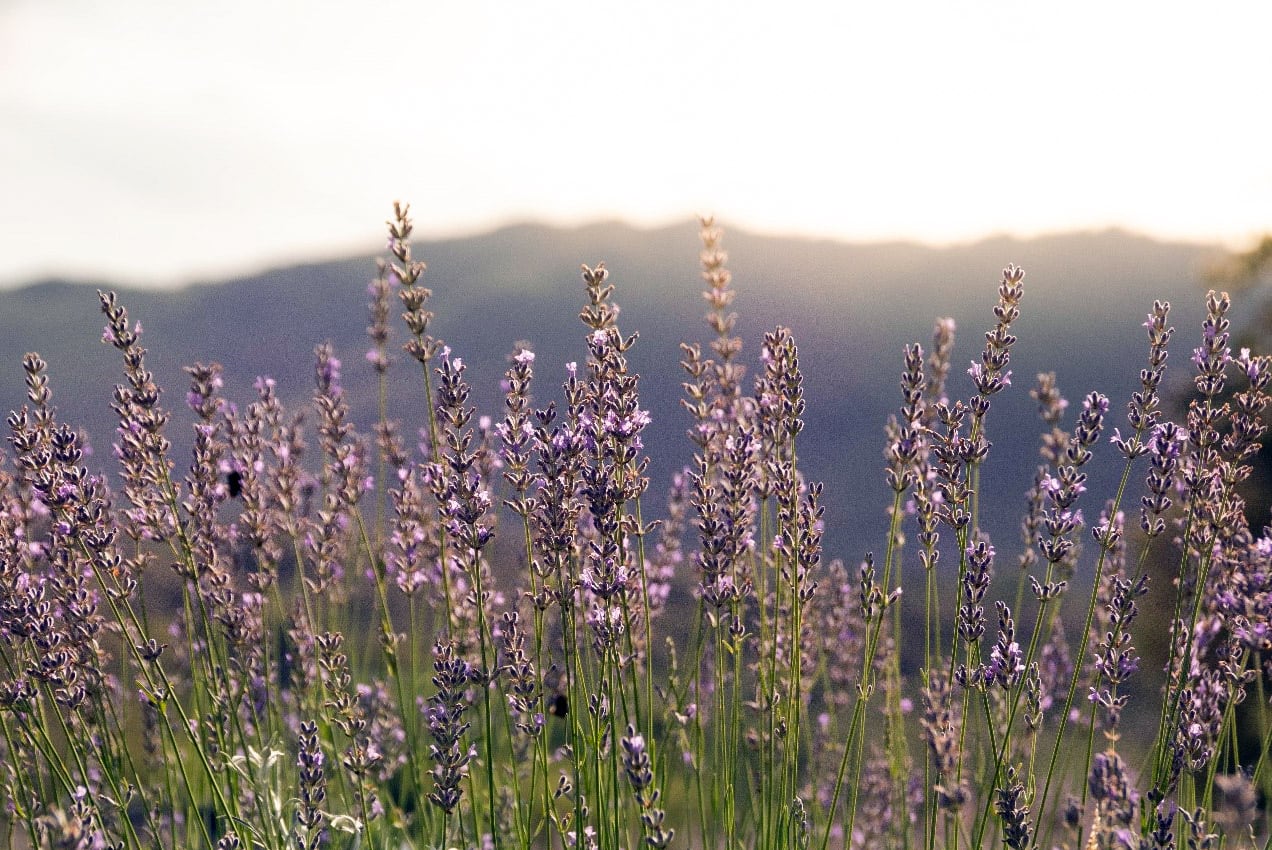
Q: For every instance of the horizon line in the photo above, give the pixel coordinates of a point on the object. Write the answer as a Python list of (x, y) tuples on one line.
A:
[(355, 249)]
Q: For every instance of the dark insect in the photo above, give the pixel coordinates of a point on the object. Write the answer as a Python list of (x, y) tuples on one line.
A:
[(559, 706), (234, 483)]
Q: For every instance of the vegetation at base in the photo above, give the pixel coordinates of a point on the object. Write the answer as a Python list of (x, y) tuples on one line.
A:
[(466, 630)]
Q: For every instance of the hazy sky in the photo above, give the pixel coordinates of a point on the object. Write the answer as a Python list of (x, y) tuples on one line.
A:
[(164, 140)]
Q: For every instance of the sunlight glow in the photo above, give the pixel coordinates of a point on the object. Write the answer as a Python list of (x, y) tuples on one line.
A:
[(154, 141)]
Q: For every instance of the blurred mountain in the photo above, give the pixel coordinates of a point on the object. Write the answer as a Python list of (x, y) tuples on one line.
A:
[(851, 307)]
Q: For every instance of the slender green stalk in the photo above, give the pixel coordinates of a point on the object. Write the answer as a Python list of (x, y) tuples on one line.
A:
[(1043, 799)]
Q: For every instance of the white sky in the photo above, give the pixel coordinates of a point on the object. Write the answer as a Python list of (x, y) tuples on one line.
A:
[(163, 140)]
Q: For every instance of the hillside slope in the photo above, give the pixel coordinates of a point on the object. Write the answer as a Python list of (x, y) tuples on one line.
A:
[(852, 308)]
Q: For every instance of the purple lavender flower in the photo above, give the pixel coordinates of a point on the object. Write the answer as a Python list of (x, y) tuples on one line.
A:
[(1013, 814), (313, 788), (639, 769), (976, 578), (1006, 659), (445, 713), (991, 375), (142, 449)]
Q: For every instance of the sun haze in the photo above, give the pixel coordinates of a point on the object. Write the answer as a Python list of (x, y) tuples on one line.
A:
[(157, 142)]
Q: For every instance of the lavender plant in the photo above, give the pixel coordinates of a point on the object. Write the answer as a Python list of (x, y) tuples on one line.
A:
[(352, 662)]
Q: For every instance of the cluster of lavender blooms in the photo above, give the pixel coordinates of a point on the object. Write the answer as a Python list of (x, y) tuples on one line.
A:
[(483, 642)]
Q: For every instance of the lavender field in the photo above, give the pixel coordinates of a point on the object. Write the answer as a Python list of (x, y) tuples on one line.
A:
[(416, 624)]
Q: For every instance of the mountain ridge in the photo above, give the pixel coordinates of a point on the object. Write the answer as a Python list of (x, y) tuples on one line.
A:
[(851, 307), (537, 229)]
